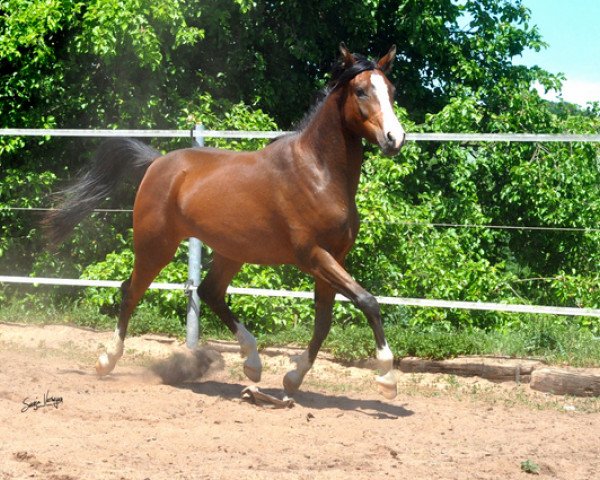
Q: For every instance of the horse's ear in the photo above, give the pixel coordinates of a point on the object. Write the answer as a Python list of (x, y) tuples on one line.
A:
[(385, 62), (347, 57)]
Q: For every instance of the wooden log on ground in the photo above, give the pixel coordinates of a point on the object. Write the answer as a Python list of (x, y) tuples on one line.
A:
[(579, 382), (494, 369)]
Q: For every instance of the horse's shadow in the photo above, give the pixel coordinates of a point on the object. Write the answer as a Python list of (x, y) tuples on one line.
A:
[(307, 399)]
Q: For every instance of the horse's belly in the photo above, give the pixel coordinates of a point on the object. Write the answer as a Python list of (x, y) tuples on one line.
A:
[(248, 245)]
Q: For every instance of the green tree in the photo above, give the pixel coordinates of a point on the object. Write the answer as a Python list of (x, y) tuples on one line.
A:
[(131, 62)]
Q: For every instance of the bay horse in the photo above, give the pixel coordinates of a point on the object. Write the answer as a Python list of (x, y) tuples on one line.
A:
[(292, 202)]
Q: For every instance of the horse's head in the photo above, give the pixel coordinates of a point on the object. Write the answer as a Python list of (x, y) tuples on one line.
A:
[(368, 99)]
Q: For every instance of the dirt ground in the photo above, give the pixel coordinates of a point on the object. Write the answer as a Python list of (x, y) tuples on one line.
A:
[(131, 426)]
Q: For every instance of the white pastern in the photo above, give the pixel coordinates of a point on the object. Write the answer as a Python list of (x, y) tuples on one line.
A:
[(108, 360), (386, 382), (252, 365), (385, 358), (303, 364), (390, 121), (117, 346), (293, 379), (246, 340)]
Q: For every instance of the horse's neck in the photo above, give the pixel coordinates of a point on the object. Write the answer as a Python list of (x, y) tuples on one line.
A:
[(332, 145)]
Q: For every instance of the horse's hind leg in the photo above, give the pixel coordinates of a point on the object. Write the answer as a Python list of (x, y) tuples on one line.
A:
[(324, 297), (107, 360), (212, 291), (149, 261)]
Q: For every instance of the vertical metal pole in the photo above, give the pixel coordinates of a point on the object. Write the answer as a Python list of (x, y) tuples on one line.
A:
[(194, 269)]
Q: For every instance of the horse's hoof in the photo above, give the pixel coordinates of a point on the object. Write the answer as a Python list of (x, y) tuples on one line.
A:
[(291, 382), (252, 373), (387, 385), (103, 365), (253, 367)]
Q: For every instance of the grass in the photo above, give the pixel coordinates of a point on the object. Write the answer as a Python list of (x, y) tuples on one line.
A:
[(144, 320), (528, 466), (554, 340)]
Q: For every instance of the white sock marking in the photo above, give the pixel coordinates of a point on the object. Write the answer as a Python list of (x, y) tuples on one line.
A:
[(293, 379), (302, 364), (252, 365), (246, 340), (116, 347), (385, 358)]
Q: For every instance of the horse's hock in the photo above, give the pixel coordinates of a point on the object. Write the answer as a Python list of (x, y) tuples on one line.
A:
[(580, 382)]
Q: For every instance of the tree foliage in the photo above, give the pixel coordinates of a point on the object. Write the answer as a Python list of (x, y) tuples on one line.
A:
[(132, 62)]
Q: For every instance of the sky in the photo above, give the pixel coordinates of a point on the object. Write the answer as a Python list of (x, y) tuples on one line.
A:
[(572, 30)]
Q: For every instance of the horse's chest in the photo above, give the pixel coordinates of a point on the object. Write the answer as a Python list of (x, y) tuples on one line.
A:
[(321, 209)]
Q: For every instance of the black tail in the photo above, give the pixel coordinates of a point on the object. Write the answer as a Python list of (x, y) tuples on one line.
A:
[(114, 160)]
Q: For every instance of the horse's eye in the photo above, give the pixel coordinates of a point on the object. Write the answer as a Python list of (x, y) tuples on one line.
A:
[(360, 93)]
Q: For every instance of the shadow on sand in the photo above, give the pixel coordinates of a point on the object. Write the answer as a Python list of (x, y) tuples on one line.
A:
[(306, 399)]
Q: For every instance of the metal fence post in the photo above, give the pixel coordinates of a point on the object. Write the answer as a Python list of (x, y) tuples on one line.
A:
[(194, 269)]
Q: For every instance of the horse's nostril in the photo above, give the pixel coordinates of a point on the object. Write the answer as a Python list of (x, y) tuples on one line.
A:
[(390, 137)]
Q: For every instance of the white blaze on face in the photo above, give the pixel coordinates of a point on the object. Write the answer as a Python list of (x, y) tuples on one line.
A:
[(392, 130)]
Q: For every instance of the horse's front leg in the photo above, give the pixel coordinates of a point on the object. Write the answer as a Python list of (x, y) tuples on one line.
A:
[(324, 296), (325, 267)]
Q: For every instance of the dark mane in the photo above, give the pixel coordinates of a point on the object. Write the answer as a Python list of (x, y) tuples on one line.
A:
[(340, 76)]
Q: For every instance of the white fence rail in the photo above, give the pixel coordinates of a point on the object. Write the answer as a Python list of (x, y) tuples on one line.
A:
[(415, 137), (261, 292), (198, 135)]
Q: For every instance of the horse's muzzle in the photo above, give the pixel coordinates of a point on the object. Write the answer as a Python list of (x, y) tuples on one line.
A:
[(392, 144)]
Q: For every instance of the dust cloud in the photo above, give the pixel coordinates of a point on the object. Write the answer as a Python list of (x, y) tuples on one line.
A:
[(187, 366)]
